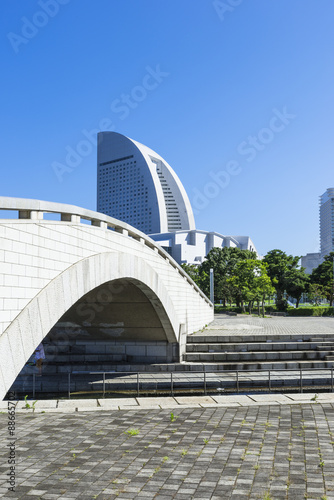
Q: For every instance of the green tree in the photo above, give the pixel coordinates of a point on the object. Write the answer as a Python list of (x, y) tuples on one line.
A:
[(323, 275), (279, 265), (297, 282), (223, 262), (316, 293), (252, 282)]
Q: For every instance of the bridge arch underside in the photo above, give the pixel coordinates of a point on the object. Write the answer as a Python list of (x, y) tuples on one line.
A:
[(91, 317), (119, 322)]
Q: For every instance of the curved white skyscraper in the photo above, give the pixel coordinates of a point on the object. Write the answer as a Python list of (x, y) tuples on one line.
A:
[(137, 186)]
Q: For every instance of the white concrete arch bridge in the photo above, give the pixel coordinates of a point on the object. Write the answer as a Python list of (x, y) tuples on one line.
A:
[(89, 278)]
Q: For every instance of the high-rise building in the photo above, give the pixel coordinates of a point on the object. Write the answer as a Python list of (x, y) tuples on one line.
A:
[(327, 222), (137, 186)]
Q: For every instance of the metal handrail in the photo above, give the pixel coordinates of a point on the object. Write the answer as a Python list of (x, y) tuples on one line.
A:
[(205, 374)]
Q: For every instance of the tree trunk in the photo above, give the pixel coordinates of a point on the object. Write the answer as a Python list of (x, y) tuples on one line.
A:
[(279, 296), (243, 306), (297, 303), (263, 310), (258, 308)]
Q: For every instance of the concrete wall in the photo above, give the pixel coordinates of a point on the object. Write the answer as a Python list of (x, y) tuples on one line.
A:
[(47, 266)]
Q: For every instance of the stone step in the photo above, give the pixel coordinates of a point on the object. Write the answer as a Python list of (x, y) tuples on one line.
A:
[(262, 365), (85, 358), (63, 369), (254, 356), (185, 366), (257, 346), (236, 337), (323, 337)]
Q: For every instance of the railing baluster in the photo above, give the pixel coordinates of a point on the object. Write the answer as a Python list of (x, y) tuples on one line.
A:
[(269, 381)]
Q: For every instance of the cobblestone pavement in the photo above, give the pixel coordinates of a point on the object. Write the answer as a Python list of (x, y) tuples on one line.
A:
[(275, 325), (259, 451)]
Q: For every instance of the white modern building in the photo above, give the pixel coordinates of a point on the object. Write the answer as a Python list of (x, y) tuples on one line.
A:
[(327, 222), (310, 261), (191, 247), (137, 186)]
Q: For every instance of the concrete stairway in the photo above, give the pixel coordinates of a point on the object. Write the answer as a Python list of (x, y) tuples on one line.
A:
[(261, 352), (204, 353)]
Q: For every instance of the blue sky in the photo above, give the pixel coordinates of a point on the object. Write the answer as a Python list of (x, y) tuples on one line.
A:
[(237, 95)]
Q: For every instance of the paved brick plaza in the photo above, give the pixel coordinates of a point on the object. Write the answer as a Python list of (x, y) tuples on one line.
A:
[(275, 325), (285, 451)]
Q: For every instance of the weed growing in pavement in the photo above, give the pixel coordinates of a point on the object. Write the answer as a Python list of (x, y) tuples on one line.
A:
[(27, 405), (132, 432), (173, 417)]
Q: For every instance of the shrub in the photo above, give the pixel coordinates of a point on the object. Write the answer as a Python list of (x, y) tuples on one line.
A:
[(222, 309), (311, 311)]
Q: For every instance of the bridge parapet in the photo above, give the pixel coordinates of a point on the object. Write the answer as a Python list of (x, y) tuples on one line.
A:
[(35, 211)]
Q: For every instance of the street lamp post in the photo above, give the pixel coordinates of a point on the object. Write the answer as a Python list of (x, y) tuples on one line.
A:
[(211, 286)]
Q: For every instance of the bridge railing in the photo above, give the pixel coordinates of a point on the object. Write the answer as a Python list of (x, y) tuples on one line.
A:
[(34, 210)]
